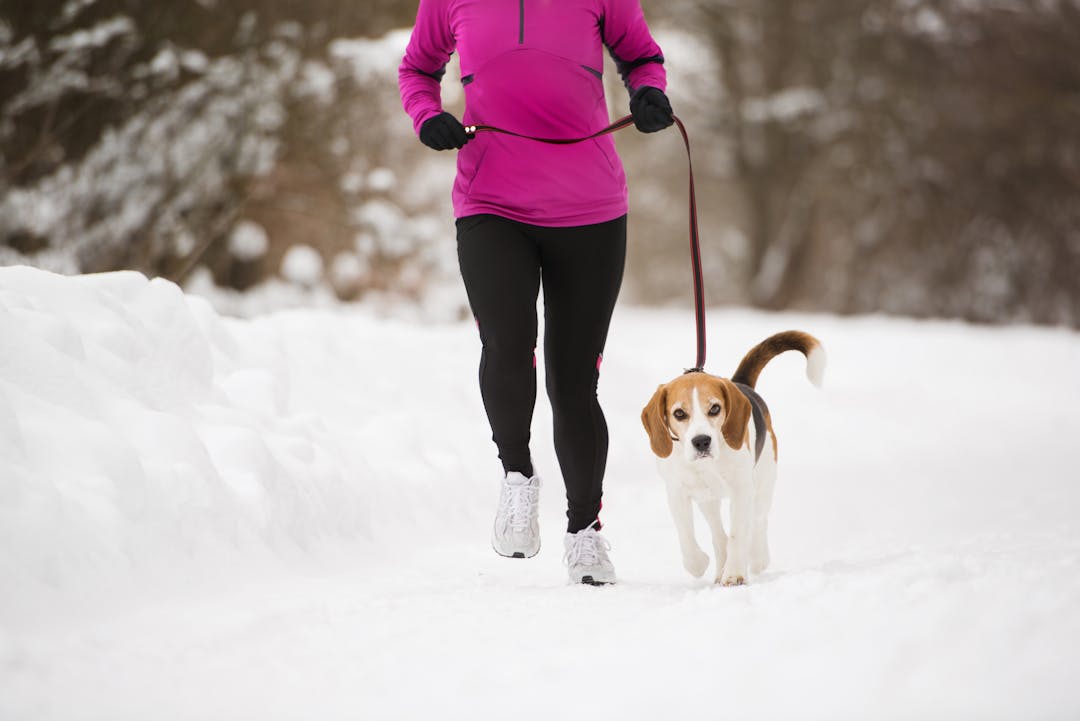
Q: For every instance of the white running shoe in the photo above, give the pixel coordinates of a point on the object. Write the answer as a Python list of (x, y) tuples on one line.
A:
[(517, 529), (586, 558)]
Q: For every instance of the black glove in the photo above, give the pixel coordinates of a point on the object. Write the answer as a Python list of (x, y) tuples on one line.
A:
[(651, 109), (443, 132)]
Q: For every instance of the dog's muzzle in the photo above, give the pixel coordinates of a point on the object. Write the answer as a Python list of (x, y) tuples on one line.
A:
[(702, 444)]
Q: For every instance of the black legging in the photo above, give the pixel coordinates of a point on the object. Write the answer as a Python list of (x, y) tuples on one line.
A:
[(503, 263)]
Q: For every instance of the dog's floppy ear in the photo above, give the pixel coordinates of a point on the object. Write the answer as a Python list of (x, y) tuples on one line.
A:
[(737, 412), (653, 418)]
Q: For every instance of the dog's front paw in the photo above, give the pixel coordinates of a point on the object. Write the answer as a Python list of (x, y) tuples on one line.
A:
[(733, 575), (696, 563)]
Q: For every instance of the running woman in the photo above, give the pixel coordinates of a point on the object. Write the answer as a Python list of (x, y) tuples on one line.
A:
[(531, 214)]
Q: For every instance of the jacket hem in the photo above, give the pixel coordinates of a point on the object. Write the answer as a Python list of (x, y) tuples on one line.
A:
[(596, 214)]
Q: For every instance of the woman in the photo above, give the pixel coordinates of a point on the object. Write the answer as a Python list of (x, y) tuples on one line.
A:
[(530, 213)]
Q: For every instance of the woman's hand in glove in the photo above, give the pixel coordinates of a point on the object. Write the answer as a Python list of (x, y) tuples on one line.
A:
[(651, 109), (443, 132)]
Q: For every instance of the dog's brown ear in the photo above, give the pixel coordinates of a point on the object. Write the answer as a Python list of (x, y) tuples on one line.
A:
[(653, 417), (737, 412)]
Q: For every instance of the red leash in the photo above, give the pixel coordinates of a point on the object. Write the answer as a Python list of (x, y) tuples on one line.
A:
[(695, 246)]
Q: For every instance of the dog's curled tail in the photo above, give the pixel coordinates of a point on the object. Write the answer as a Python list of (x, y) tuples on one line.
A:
[(750, 368)]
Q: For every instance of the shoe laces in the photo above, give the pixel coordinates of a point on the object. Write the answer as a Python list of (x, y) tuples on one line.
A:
[(518, 504), (587, 548)]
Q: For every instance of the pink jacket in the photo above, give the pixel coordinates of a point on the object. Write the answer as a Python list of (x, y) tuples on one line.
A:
[(533, 67)]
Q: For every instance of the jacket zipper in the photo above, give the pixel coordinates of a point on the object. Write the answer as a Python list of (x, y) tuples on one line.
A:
[(521, 22)]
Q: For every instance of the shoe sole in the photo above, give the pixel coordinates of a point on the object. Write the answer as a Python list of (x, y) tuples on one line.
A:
[(588, 581), (515, 554)]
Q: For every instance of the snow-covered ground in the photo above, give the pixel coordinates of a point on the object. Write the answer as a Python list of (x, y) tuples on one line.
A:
[(287, 518)]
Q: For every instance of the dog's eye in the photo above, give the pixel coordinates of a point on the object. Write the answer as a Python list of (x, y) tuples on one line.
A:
[(680, 414), (714, 410)]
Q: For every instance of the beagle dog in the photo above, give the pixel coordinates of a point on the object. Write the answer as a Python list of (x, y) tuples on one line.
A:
[(713, 439)]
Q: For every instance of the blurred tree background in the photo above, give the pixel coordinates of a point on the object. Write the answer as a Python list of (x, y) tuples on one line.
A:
[(919, 157)]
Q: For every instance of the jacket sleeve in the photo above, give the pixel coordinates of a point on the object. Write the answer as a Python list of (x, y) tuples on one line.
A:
[(637, 56), (424, 64)]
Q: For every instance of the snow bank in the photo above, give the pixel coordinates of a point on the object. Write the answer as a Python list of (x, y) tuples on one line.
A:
[(138, 431)]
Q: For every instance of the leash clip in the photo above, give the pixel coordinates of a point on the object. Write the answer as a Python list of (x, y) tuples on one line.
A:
[(470, 130)]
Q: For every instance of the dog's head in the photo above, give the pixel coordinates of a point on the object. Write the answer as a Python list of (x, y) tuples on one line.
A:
[(696, 411)]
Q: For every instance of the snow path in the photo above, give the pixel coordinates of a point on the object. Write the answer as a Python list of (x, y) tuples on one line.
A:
[(925, 539)]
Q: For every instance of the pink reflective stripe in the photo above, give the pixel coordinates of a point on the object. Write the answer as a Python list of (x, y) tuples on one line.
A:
[(534, 357), (599, 360)]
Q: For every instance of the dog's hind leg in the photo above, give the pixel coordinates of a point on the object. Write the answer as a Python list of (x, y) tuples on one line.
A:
[(695, 561), (711, 511), (764, 483), (759, 554)]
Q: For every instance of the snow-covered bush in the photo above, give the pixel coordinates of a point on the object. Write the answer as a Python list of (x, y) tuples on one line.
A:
[(158, 138)]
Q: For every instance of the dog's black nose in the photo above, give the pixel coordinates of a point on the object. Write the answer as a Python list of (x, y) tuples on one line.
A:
[(701, 443)]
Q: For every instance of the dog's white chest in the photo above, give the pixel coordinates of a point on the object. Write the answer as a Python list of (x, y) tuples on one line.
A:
[(702, 483), (702, 490)]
